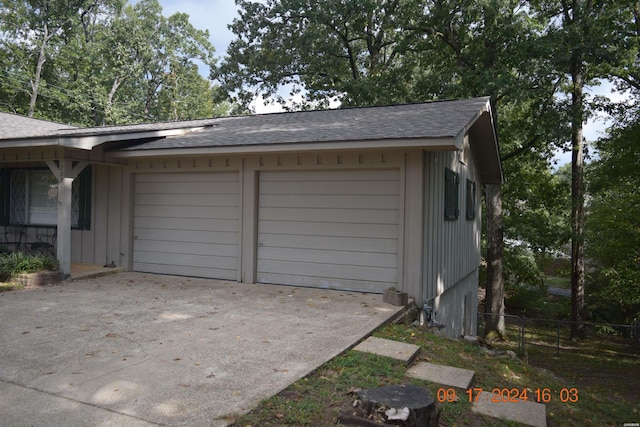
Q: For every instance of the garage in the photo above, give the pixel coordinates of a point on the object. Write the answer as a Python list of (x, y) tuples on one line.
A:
[(329, 229), (186, 224)]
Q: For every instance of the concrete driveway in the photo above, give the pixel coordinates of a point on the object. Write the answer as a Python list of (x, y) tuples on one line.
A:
[(138, 349)]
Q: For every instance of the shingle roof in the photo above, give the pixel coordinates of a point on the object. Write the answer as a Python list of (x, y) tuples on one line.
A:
[(142, 127), (14, 126), (423, 120), (436, 124)]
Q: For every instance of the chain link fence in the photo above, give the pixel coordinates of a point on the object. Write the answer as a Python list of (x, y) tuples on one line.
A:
[(552, 336)]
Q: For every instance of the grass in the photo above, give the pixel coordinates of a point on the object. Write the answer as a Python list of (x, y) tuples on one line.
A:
[(604, 373), (604, 368), (10, 286), (557, 282), (20, 262), (532, 302)]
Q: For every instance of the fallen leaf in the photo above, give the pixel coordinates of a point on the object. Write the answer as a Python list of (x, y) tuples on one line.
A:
[(211, 375), (110, 335), (177, 359)]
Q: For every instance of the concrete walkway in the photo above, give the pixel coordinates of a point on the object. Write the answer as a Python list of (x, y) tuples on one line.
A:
[(136, 349)]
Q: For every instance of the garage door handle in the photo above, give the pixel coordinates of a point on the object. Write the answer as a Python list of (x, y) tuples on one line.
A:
[(259, 243)]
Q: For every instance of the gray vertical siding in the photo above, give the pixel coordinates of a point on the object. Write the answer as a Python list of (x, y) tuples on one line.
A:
[(101, 244), (452, 248)]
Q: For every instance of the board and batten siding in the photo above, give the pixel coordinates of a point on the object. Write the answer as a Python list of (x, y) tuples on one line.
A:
[(186, 224), (329, 229), (452, 248), (101, 243)]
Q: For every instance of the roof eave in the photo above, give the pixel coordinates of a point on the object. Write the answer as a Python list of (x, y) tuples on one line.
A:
[(485, 142), (436, 144), (90, 141)]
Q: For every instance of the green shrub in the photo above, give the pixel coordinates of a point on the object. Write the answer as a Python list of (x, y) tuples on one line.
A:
[(20, 262)]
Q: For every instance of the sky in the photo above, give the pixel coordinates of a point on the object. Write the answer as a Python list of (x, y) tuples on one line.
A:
[(216, 15)]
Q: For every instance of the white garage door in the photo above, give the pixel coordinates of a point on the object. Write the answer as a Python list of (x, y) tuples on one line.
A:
[(329, 229), (186, 224)]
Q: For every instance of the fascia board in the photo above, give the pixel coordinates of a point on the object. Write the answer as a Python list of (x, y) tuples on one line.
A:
[(88, 142), (435, 144)]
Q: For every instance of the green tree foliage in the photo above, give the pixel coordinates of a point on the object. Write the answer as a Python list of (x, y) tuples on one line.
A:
[(95, 62), (320, 49), (585, 38), (613, 229)]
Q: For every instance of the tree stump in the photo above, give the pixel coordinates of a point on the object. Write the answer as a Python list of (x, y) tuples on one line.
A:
[(405, 405)]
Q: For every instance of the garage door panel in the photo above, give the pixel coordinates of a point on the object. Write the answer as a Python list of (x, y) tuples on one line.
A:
[(187, 212), (323, 282), (221, 200), (198, 224), (329, 188), (335, 229), (186, 248), (188, 236), (353, 216), (332, 229), (337, 257), (331, 271), (179, 270), (372, 245), (196, 187), (187, 224), (212, 262), (356, 201)]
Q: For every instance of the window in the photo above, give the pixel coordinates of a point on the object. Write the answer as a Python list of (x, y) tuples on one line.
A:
[(451, 204), (30, 197), (471, 200)]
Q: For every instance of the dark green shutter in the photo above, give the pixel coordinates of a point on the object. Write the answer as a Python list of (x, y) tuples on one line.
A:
[(451, 203), (5, 195), (471, 200), (84, 211)]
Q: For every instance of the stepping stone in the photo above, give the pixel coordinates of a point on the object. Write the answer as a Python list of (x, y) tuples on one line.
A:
[(529, 413), (389, 348), (440, 374)]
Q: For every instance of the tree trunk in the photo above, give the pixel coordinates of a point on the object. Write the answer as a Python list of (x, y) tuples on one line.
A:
[(494, 298), (35, 84), (578, 314), (107, 119)]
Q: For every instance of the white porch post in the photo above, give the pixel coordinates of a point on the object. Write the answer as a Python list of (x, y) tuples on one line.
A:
[(65, 171)]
